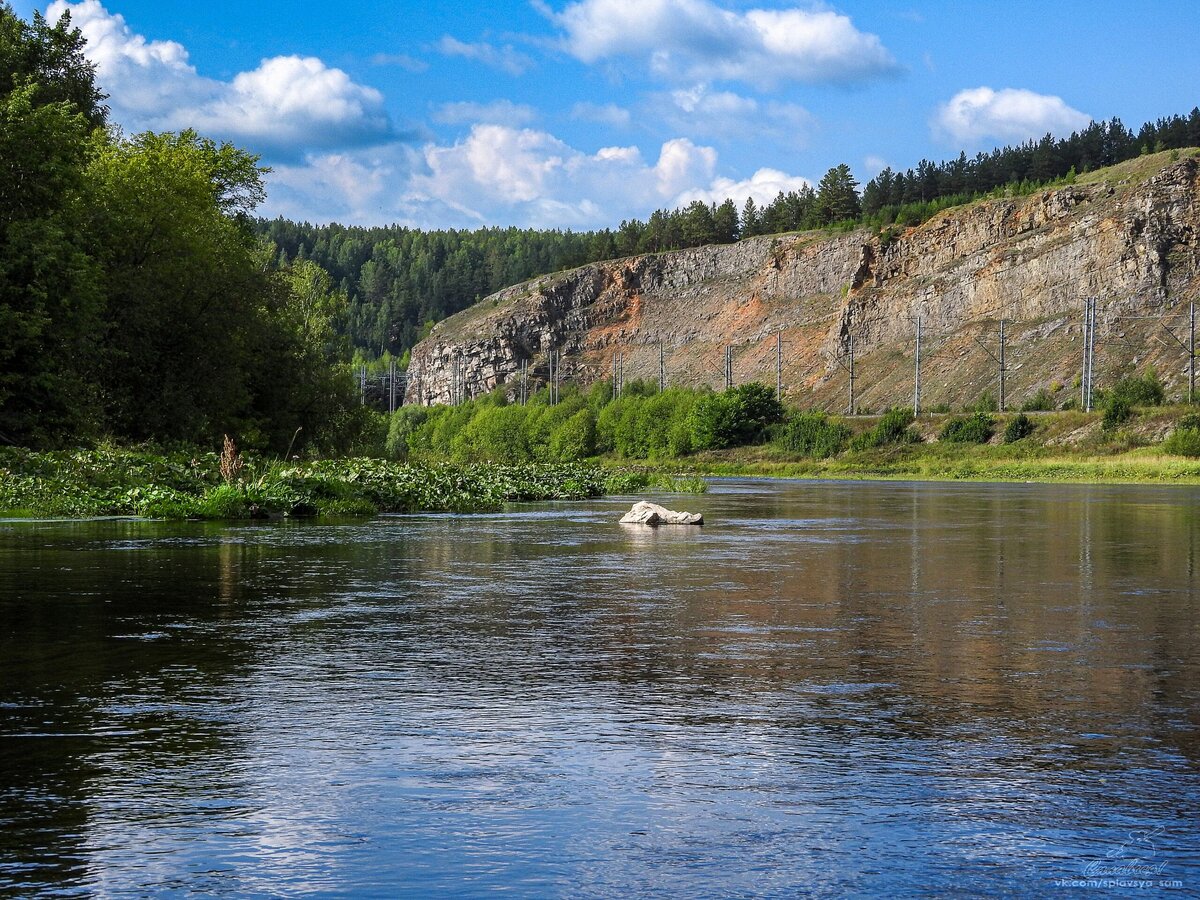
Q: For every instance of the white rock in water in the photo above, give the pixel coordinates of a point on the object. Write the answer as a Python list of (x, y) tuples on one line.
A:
[(645, 513)]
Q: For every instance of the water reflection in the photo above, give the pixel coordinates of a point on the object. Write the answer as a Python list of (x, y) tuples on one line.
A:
[(831, 688)]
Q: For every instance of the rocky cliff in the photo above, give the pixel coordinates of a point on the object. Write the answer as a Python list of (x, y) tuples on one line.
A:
[(1129, 236)]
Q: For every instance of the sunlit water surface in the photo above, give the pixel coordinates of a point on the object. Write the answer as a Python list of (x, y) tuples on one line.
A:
[(830, 689)]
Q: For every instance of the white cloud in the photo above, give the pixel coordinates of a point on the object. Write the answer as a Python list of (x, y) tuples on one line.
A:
[(698, 41), (764, 185), (729, 117), (1009, 114), (503, 175), (506, 58), (609, 114), (285, 105), (502, 112)]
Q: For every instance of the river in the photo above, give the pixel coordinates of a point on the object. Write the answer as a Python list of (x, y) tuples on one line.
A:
[(831, 689)]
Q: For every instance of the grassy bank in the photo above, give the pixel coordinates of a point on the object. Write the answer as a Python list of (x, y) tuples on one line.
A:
[(111, 482), (921, 462)]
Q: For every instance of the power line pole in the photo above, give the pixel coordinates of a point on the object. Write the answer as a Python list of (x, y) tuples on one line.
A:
[(1002, 404), (1089, 351), (728, 366), (1192, 354), (392, 386), (662, 369), (917, 378), (778, 366), (852, 407), (1087, 337)]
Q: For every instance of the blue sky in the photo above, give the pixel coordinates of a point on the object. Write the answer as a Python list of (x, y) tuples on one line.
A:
[(579, 113)]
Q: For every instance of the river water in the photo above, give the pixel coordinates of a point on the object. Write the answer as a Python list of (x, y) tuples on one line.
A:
[(831, 689)]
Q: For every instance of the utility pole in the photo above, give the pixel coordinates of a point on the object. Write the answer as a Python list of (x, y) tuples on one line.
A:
[(1192, 353), (778, 366), (728, 366), (662, 369), (553, 377), (1089, 352), (1002, 404), (392, 386), (850, 411), (1087, 337), (917, 378)]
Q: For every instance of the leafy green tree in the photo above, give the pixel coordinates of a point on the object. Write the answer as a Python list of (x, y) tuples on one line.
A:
[(49, 290), (182, 281)]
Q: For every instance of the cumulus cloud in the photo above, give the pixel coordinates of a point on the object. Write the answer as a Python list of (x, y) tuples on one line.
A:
[(500, 174), (764, 185), (538, 179), (726, 116), (698, 41), (506, 59), (503, 112), (286, 105), (1009, 114)]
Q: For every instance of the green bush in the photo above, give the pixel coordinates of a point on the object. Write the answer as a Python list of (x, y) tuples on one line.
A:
[(985, 404), (813, 434), (736, 417), (1134, 390), (1117, 411), (1042, 401), (1184, 441), (404, 422), (976, 429), (574, 439), (1018, 428), (892, 428)]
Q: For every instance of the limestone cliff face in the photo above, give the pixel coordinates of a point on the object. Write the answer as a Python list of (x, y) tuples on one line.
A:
[(1129, 236)]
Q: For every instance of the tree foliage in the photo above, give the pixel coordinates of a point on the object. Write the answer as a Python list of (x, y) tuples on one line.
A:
[(136, 301)]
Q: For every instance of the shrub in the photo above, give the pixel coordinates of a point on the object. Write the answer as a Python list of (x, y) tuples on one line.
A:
[(1184, 441), (892, 428), (1134, 390), (574, 439), (1116, 412), (738, 416), (1018, 428), (976, 429), (1042, 401), (812, 434), (405, 421), (985, 404)]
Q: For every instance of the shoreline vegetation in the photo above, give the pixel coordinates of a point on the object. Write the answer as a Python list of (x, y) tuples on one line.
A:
[(177, 485), (1150, 445)]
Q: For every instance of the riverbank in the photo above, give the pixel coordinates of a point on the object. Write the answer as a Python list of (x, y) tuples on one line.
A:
[(117, 482), (930, 463)]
